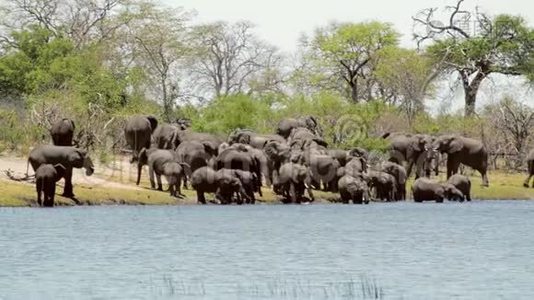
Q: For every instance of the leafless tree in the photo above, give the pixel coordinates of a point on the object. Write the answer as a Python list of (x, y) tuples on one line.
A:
[(228, 58), (82, 20)]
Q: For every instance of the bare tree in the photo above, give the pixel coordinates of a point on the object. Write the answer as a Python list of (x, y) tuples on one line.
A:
[(228, 57), (515, 121), (82, 20)]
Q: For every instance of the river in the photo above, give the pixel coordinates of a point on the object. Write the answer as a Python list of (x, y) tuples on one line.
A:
[(477, 250)]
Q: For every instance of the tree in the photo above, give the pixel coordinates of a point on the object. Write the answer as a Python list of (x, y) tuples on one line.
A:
[(408, 75), (230, 59), (515, 121), (501, 44), (157, 36), (81, 21), (346, 54)]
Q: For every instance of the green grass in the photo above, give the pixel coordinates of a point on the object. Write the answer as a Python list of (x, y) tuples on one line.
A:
[(502, 186)]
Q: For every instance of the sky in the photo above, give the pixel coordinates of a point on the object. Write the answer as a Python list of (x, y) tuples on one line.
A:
[(282, 22)]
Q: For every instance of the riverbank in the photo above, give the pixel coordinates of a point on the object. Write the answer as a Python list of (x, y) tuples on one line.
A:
[(114, 184)]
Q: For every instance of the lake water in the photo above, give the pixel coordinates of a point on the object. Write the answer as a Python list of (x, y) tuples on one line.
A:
[(477, 250)]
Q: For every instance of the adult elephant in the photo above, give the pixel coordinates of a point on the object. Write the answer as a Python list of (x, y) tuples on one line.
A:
[(323, 169), (425, 189), (383, 184), (409, 149), (249, 137), (530, 168), (224, 184), (138, 132), (62, 132), (210, 140), (259, 155), (277, 153), (285, 126), (165, 137), (463, 150), (195, 154), (293, 180), (302, 138), (163, 162), (239, 158), (69, 157), (353, 188), (400, 175)]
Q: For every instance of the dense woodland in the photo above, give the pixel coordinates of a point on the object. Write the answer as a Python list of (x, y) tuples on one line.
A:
[(100, 61)]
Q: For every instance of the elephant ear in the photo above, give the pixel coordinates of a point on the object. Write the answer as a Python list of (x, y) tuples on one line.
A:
[(321, 142), (272, 150), (210, 148), (153, 122), (60, 171), (455, 145), (243, 138)]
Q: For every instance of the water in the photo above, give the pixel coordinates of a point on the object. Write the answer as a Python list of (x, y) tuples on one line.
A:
[(478, 250)]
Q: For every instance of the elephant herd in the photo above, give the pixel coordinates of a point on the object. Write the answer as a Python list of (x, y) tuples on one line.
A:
[(294, 161)]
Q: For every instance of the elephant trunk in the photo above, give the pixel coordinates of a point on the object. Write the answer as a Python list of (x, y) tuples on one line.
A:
[(139, 168)]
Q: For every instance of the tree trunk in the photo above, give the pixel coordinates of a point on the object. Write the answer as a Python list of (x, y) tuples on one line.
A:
[(471, 90), (354, 91), (470, 100), (166, 103)]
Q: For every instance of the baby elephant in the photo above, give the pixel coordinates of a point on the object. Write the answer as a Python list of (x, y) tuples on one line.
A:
[(463, 184), (163, 162), (425, 189), (46, 177), (353, 188)]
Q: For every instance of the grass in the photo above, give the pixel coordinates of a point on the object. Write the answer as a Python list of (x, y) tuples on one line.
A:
[(502, 186)]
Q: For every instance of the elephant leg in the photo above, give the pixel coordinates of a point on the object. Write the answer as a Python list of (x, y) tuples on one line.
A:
[(151, 176), (485, 181), (526, 183), (160, 185), (67, 190), (200, 197), (293, 193), (409, 169), (178, 186), (38, 188)]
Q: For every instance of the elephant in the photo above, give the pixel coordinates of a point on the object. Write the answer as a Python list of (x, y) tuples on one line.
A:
[(425, 189), (249, 137), (265, 166), (302, 138), (383, 184), (342, 156), (463, 150), (46, 177), (277, 154), (195, 154), (530, 168), (410, 149), (355, 166), (138, 132), (323, 169), (239, 158), (208, 139), (62, 132), (69, 157), (292, 181), (463, 184), (248, 182), (358, 152), (165, 137), (224, 184), (353, 188), (163, 162), (285, 126), (399, 172)]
